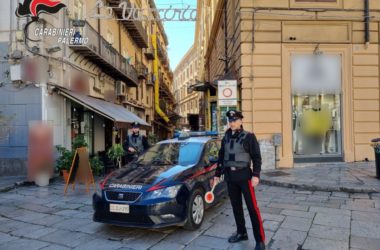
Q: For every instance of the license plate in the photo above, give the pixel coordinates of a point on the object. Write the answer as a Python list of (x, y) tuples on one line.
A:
[(117, 208)]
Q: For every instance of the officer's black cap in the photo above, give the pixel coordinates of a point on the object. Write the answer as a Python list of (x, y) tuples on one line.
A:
[(234, 115), (135, 125)]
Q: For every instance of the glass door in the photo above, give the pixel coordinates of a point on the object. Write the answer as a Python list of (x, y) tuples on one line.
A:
[(316, 125), (316, 107)]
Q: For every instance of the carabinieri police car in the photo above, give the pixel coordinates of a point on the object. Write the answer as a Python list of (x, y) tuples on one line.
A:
[(165, 186)]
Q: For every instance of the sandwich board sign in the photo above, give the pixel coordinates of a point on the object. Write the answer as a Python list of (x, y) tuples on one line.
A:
[(227, 93), (80, 171)]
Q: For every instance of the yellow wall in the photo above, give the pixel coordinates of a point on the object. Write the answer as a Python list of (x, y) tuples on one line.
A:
[(261, 60)]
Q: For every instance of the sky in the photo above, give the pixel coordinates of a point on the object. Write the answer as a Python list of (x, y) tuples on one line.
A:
[(180, 34)]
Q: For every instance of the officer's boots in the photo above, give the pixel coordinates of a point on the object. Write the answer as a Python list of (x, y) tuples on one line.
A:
[(238, 237), (260, 246)]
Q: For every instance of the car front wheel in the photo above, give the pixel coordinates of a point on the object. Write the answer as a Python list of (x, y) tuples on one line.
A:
[(196, 210)]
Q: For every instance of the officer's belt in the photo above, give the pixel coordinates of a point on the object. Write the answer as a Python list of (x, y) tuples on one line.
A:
[(235, 168)]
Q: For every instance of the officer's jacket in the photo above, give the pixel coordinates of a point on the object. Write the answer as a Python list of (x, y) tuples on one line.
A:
[(137, 141), (239, 151)]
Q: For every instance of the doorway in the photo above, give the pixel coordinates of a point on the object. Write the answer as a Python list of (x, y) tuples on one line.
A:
[(316, 108)]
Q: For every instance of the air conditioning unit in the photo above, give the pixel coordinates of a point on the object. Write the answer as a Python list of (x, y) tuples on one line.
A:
[(121, 88)]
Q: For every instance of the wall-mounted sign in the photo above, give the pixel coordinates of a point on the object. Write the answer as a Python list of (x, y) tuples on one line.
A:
[(227, 92), (316, 74)]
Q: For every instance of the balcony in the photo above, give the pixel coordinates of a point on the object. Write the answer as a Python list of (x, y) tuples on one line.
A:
[(135, 28), (165, 91), (162, 53), (149, 53), (150, 80), (142, 70), (101, 53)]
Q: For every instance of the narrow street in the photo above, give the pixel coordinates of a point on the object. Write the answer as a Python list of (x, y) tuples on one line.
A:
[(162, 99), (42, 218)]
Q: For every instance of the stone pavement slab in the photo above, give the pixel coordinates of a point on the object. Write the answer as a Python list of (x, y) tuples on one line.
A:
[(9, 182), (331, 177), (293, 219), (313, 243)]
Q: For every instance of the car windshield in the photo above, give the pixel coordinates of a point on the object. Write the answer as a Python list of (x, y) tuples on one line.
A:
[(180, 153)]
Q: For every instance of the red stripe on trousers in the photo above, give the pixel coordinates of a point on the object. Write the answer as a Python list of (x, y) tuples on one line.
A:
[(257, 210)]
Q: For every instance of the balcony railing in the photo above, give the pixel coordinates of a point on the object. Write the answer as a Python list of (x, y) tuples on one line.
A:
[(142, 70), (100, 52), (135, 27), (164, 89), (150, 80), (149, 53), (161, 53)]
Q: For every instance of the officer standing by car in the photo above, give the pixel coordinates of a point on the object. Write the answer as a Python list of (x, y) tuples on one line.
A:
[(238, 152), (135, 143)]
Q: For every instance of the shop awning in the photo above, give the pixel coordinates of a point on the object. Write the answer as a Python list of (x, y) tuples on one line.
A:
[(200, 86), (114, 112)]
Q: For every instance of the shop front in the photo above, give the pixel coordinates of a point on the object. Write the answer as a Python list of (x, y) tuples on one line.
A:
[(101, 123), (316, 89), (317, 104)]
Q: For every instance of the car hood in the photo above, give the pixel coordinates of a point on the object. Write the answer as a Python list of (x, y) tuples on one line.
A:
[(134, 176)]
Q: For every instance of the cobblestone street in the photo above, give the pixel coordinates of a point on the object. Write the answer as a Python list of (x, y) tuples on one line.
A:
[(42, 218)]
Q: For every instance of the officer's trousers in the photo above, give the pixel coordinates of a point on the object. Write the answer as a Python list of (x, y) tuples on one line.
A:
[(235, 190)]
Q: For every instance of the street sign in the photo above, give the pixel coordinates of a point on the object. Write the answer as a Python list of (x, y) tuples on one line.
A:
[(227, 93), (79, 23)]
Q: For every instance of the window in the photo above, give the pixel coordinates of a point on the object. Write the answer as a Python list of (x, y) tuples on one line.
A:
[(109, 36), (78, 10), (212, 151), (125, 53), (142, 92), (95, 83)]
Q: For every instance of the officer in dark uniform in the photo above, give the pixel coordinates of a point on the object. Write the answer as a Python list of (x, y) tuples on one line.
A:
[(238, 152), (135, 143)]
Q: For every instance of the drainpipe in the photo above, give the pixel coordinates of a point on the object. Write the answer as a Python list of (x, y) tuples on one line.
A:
[(156, 80), (366, 21), (225, 39)]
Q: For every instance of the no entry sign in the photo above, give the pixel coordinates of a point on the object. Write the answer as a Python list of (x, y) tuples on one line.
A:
[(227, 92)]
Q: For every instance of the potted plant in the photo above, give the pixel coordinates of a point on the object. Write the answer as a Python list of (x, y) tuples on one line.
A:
[(66, 156), (64, 161), (79, 142), (96, 165), (115, 153)]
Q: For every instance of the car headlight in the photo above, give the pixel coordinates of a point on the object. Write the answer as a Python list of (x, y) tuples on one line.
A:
[(98, 191), (169, 192)]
